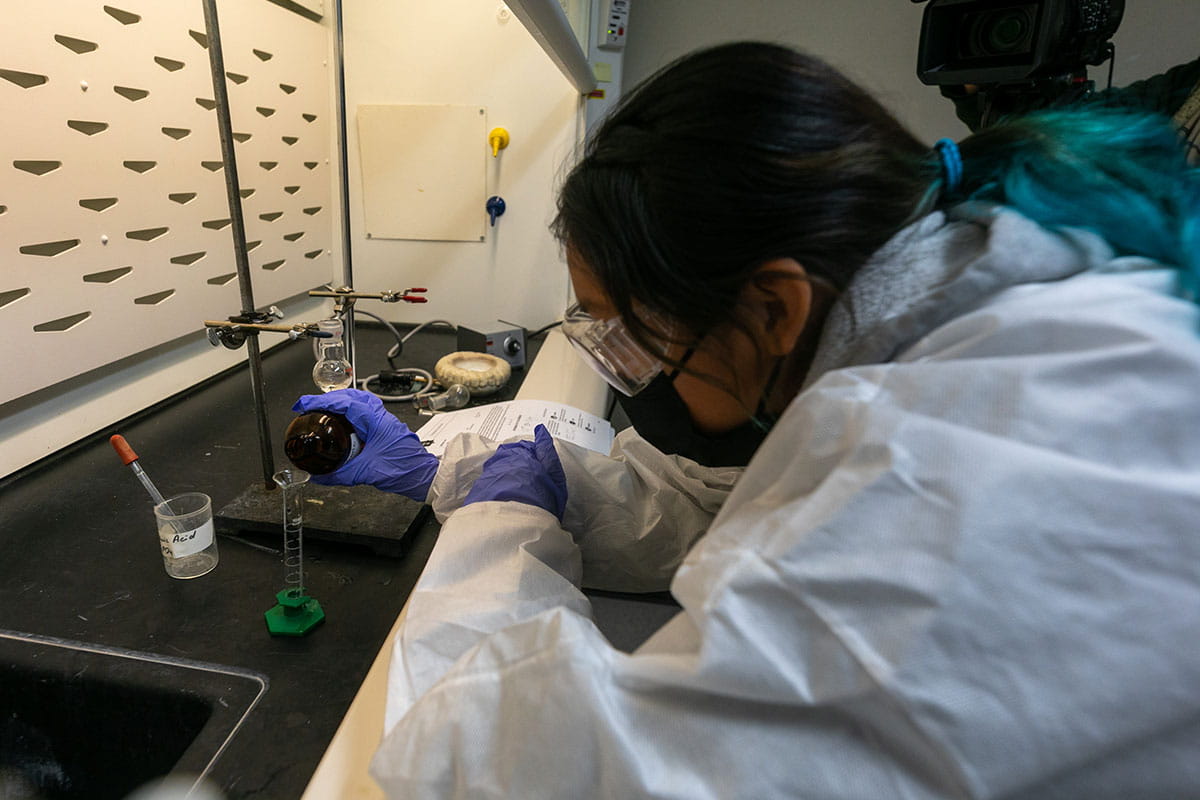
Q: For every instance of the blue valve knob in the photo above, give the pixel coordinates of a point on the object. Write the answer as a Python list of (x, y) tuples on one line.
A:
[(495, 208)]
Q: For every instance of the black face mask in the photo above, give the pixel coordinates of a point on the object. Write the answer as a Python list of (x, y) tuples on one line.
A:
[(659, 415)]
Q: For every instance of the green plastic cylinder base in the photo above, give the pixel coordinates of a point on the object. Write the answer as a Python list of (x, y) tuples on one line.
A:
[(294, 615)]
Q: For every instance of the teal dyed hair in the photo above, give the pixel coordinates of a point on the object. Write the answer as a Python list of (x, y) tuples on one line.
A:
[(1119, 173)]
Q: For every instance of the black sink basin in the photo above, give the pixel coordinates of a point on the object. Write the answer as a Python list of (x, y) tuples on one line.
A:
[(85, 721)]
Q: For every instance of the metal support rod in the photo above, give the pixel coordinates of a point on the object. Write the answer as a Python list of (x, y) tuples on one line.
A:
[(344, 185), (216, 62)]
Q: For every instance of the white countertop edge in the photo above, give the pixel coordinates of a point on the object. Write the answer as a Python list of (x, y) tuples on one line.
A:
[(342, 771)]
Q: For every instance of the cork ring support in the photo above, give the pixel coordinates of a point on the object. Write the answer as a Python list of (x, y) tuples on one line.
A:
[(481, 373)]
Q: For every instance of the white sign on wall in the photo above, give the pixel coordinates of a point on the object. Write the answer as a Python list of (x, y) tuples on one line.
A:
[(424, 171)]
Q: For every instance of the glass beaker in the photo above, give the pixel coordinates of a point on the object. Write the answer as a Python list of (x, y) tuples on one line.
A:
[(332, 370), (186, 535)]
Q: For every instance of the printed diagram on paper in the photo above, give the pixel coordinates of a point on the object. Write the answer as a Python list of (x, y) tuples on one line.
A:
[(518, 418)]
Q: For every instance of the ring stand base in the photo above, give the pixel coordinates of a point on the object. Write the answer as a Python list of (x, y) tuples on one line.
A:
[(294, 615), (359, 515)]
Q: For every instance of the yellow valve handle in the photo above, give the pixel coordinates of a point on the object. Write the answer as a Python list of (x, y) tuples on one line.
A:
[(498, 139)]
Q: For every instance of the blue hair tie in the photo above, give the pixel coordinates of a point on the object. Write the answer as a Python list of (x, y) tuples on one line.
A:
[(952, 165)]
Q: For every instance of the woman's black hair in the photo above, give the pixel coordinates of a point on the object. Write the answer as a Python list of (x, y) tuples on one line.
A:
[(727, 159), (736, 155)]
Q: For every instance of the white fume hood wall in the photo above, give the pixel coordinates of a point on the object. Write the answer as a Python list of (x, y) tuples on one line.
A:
[(466, 53), (460, 52), (115, 229)]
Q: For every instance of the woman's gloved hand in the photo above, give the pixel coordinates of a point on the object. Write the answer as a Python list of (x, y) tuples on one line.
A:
[(392, 458), (525, 472)]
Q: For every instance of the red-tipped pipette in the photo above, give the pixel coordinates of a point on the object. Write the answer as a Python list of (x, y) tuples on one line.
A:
[(130, 459)]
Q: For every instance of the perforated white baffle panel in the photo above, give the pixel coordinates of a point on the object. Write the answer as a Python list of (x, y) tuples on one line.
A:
[(424, 171), (115, 231)]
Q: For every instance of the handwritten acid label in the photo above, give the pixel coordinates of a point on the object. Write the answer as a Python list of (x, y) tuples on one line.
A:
[(177, 544)]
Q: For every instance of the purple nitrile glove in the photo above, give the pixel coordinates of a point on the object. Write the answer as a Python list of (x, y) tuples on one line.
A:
[(392, 458), (525, 472)]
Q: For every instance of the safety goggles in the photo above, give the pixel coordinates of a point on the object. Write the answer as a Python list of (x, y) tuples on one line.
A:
[(611, 350)]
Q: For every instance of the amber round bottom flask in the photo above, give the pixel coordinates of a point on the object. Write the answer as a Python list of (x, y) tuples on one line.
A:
[(319, 442)]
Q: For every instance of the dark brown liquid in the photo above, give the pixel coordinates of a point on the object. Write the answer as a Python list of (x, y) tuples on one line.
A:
[(318, 442)]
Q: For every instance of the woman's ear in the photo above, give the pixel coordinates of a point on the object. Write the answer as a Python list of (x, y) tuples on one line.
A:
[(782, 295)]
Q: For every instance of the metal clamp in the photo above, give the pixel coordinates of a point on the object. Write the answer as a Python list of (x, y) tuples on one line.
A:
[(345, 296), (233, 332)]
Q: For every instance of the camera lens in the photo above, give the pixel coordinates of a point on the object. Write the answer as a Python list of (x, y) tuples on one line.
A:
[(1006, 33), (1000, 31)]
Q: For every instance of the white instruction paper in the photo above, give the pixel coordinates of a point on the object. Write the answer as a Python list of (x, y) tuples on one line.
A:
[(518, 418)]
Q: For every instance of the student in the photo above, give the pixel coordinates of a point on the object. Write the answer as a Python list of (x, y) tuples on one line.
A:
[(964, 561)]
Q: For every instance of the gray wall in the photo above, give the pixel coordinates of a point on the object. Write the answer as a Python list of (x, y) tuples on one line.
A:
[(875, 42)]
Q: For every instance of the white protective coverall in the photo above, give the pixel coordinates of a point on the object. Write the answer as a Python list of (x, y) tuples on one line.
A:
[(965, 563)]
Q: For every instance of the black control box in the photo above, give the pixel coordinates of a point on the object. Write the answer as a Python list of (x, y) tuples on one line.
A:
[(507, 343)]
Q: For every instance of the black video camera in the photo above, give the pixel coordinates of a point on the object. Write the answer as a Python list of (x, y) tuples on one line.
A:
[(1020, 54)]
